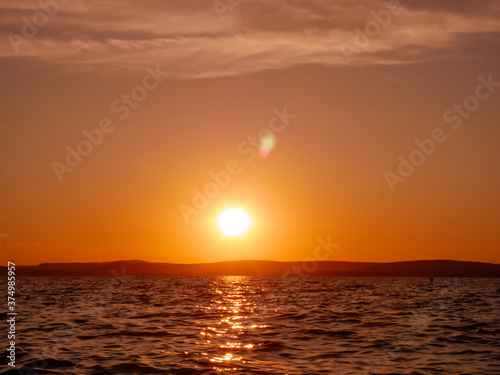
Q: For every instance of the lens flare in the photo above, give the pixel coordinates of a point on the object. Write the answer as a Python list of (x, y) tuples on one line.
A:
[(267, 144)]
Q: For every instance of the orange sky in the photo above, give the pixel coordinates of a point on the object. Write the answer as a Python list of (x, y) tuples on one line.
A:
[(325, 177)]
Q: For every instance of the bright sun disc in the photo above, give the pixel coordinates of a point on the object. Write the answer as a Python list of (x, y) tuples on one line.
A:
[(234, 222)]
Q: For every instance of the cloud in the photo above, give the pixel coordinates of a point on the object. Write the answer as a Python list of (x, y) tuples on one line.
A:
[(189, 38)]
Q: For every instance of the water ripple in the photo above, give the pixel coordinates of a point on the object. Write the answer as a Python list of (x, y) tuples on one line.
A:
[(249, 325)]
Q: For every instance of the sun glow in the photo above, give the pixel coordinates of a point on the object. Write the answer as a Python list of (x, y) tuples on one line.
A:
[(234, 222)]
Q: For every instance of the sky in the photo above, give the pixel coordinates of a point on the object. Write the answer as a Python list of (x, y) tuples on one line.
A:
[(127, 127)]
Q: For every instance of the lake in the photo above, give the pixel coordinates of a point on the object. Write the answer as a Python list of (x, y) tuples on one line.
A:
[(252, 325)]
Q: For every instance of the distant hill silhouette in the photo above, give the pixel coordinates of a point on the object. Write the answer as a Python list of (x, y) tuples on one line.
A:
[(421, 268)]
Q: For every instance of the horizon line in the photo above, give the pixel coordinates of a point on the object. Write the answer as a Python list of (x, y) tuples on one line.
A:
[(258, 260)]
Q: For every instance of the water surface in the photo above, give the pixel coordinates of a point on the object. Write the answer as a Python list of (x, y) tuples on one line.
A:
[(250, 325)]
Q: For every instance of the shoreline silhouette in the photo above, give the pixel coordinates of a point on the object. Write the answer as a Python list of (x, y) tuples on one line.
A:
[(419, 268)]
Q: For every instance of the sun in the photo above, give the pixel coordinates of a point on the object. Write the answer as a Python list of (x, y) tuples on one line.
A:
[(234, 222)]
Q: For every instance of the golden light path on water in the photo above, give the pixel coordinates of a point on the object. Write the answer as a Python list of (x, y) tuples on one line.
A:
[(231, 333)]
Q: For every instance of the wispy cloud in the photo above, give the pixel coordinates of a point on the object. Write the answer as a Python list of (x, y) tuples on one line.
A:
[(188, 37)]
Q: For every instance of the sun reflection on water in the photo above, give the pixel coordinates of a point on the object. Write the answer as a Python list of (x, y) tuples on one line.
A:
[(235, 321)]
